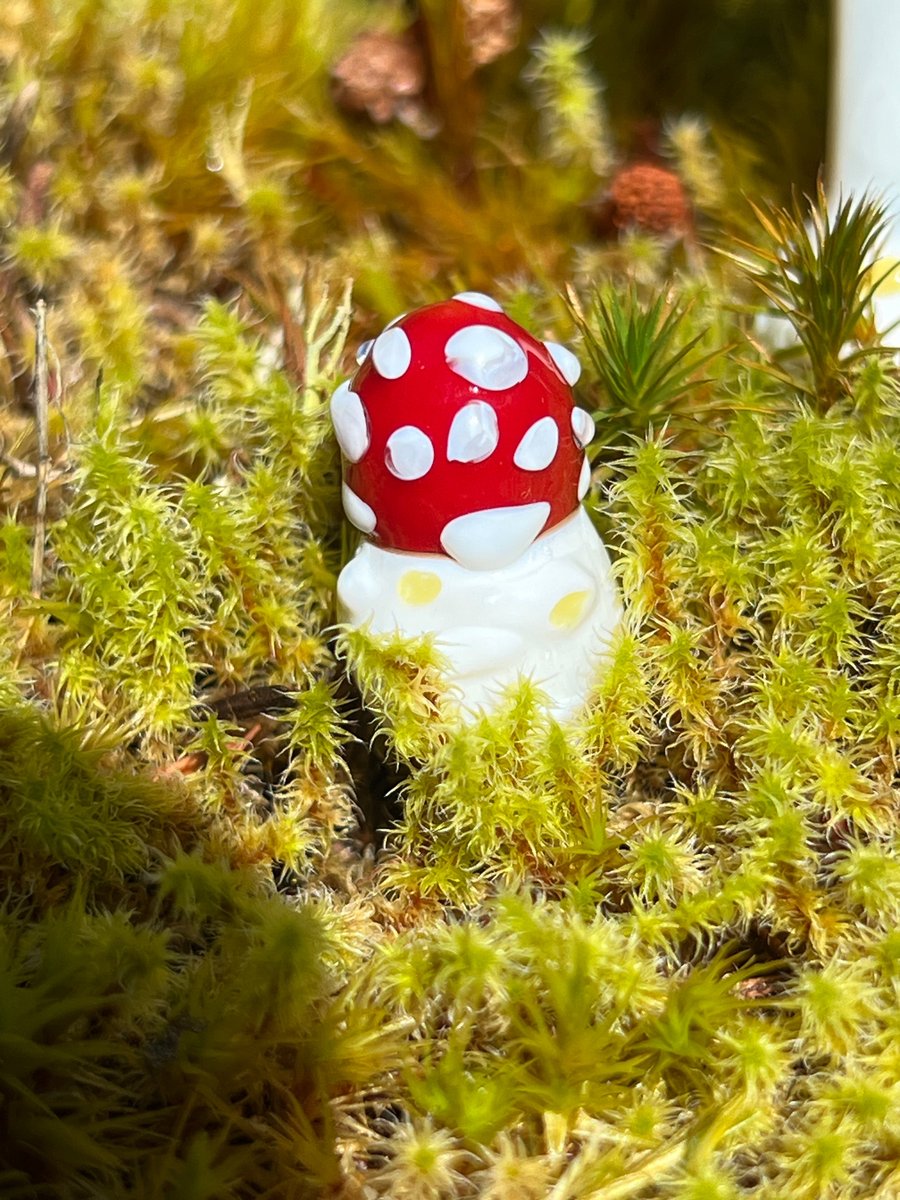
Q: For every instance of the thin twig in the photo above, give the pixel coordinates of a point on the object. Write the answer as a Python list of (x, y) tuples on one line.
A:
[(340, 327), (21, 469), (17, 466), (41, 401)]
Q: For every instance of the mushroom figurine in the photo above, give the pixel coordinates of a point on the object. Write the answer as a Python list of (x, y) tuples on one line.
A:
[(465, 468)]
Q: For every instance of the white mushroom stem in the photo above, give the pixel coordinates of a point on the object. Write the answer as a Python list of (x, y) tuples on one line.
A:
[(864, 133), (549, 615)]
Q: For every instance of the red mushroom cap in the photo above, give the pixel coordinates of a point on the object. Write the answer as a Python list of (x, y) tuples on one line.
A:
[(460, 435)]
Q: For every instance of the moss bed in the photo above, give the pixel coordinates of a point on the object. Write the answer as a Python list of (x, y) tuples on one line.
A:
[(271, 926)]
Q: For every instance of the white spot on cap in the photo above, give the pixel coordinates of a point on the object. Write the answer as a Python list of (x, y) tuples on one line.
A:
[(538, 447), (494, 537), (487, 357), (358, 512), (584, 479), (363, 351), (478, 300), (350, 422), (582, 426), (568, 364), (474, 433), (392, 353), (409, 453)]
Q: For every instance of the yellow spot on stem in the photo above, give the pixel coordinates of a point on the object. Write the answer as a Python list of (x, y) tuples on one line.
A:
[(418, 587), (566, 613)]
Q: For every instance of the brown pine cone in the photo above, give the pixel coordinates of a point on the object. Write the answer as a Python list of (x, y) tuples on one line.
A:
[(492, 29), (381, 74), (651, 198)]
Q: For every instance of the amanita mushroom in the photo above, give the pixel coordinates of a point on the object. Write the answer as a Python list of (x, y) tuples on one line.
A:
[(465, 468)]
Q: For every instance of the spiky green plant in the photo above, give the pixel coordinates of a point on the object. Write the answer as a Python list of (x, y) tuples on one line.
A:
[(649, 362), (816, 272)]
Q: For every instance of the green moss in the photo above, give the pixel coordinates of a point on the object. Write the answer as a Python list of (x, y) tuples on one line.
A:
[(257, 940)]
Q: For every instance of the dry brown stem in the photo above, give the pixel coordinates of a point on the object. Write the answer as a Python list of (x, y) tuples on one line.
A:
[(41, 402)]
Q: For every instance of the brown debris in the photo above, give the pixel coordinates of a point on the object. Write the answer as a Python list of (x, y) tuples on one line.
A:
[(650, 198), (17, 122), (491, 29), (35, 197), (382, 75)]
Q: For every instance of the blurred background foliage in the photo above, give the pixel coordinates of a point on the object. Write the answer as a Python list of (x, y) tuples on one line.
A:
[(169, 150)]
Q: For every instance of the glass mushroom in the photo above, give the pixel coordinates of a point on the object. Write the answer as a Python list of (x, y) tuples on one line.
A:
[(465, 468)]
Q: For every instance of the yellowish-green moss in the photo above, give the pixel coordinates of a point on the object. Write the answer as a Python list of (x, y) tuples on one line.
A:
[(258, 941)]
